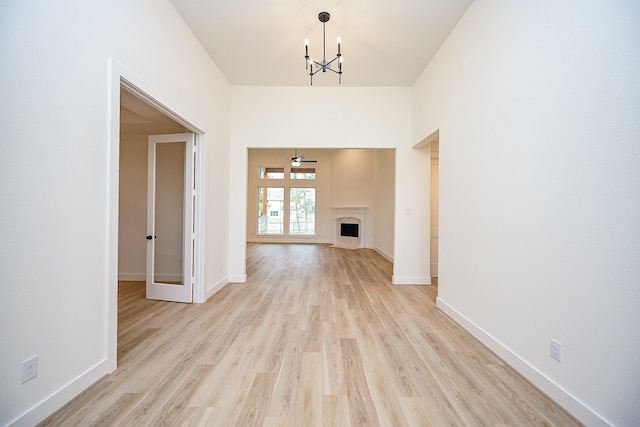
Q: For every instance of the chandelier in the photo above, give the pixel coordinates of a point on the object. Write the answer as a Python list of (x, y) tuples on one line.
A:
[(316, 66)]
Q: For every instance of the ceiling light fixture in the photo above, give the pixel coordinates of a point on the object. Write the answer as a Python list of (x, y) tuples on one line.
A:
[(324, 65)]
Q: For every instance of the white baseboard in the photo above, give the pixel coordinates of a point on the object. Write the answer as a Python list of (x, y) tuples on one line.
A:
[(563, 398), (406, 280), (238, 278), (61, 397), (384, 255), (209, 292), (132, 277)]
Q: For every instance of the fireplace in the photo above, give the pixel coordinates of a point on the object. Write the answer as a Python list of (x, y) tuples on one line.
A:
[(349, 230), (350, 227)]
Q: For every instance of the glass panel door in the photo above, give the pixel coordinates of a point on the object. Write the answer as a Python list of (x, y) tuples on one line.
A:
[(170, 220)]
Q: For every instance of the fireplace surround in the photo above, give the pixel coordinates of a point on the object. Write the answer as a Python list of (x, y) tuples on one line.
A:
[(350, 227)]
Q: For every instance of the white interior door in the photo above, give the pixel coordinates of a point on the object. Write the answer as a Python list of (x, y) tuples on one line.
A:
[(170, 217)]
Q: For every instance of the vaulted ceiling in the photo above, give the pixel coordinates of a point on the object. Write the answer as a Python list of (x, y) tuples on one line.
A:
[(259, 42)]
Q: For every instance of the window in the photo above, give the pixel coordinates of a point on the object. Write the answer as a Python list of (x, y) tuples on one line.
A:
[(303, 173), (286, 210), (270, 210), (270, 173), (302, 211)]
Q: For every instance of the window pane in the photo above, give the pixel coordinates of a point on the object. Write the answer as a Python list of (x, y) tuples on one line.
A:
[(302, 211), (270, 173), (303, 173), (270, 210)]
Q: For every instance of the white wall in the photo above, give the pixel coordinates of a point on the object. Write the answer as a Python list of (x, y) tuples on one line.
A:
[(384, 202), (56, 171), (132, 224), (352, 182), (537, 104), (336, 117)]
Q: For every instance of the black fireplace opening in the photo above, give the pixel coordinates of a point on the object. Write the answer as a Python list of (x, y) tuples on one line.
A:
[(349, 230)]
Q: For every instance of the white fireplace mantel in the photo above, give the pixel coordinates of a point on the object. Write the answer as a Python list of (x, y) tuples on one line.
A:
[(356, 212)]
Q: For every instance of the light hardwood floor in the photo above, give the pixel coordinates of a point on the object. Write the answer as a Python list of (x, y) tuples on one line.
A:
[(317, 336)]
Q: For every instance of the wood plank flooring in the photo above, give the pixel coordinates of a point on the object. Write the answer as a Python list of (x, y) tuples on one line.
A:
[(317, 336)]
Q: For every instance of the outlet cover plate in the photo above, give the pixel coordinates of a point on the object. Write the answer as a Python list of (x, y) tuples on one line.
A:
[(29, 369), (556, 350)]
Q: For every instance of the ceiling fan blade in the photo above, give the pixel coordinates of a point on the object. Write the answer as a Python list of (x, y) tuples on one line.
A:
[(300, 159)]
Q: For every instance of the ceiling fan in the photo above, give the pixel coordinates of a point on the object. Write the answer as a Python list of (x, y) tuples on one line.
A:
[(298, 160)]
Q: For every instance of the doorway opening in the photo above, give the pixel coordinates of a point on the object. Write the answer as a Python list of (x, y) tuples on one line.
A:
[(138, 120), (434, 198), (144, 122), (134, 113), (430, 145)]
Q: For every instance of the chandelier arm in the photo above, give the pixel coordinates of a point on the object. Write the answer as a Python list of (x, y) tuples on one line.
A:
[(329, 63)]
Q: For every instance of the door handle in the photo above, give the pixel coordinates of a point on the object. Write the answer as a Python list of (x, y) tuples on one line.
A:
[(149, 237)]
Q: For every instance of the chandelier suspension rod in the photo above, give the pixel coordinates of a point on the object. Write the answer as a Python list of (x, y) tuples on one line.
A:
[(324, 47)]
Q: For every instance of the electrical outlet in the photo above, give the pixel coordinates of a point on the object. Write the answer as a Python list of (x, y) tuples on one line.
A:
[(556, 350), (29, 369)]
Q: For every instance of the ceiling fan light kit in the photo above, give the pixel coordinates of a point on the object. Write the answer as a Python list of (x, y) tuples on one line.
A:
[(323, 65), (296, 160)]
